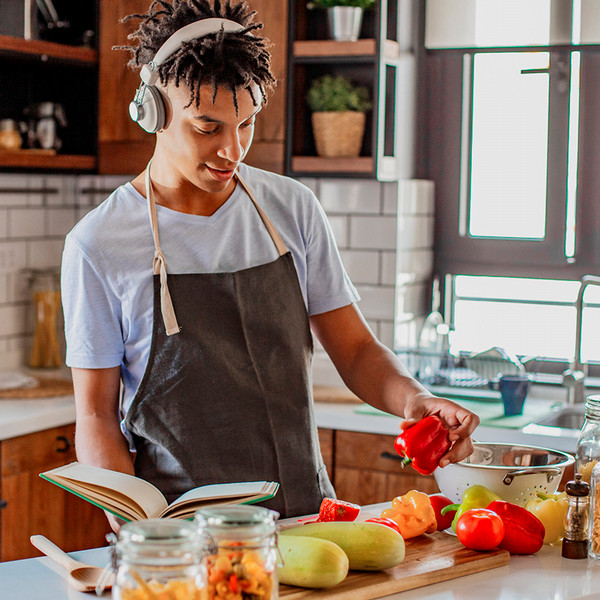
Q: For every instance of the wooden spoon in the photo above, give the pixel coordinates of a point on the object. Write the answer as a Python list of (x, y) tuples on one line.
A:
[(81, 577)]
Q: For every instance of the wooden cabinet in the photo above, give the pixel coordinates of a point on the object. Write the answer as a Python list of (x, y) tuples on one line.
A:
[(375, 61), (365, 469), (123, 146), (35, 506)]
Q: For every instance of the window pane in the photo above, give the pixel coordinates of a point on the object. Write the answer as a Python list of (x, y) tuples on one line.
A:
[(509, 146), (527, 317)]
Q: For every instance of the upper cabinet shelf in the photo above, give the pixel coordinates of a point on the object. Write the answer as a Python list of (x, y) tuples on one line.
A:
[(326, 48), (47, 50)]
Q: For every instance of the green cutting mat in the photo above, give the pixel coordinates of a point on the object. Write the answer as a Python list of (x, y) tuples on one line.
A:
[(491, 414)]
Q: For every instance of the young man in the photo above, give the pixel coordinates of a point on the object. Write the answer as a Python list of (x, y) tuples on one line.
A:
[(197, 285)]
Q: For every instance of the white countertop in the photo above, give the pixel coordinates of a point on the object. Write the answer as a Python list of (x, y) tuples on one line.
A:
[(543, 576)]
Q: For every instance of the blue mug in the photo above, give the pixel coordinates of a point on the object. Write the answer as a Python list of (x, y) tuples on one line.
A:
[(514, 390)]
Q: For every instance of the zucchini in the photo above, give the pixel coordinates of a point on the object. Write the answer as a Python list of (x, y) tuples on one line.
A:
[(311, 562), (369, 546)]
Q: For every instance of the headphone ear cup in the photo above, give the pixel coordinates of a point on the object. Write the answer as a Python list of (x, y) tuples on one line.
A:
[(151, 114)]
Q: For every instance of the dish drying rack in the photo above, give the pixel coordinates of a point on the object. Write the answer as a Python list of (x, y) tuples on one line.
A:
[(463, 370)]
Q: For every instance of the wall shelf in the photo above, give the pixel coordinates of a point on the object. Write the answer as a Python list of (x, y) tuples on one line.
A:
[(48, 50), (46, 161)]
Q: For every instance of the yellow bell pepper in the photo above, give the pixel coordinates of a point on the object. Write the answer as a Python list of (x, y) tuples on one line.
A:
[(551, 510), (413, 513)]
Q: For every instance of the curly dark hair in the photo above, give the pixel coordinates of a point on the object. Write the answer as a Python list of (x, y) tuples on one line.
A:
[(234, 60)]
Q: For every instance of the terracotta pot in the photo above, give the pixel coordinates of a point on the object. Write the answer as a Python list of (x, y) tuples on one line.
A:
[(338, 134)]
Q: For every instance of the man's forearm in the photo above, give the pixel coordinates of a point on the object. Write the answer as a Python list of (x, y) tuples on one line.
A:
[(100, 443)]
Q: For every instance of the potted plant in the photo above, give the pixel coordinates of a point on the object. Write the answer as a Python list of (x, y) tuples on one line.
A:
[(338, 115), (345, 16)]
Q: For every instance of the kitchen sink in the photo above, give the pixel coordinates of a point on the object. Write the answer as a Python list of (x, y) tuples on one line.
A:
[(563, 422), (569, 417)]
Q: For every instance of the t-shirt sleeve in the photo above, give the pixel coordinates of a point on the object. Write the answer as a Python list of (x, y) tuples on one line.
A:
[(93, 332), (328, 284)]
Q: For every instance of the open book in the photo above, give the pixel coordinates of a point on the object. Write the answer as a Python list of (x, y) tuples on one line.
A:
[(132, 498)]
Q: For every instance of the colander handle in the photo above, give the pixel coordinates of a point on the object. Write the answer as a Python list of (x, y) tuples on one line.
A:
[(550, 473)]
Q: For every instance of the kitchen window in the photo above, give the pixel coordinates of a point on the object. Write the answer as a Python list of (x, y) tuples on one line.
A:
[(511, 137)]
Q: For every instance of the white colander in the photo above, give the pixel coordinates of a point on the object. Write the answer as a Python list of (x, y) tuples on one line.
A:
[(516, 473)]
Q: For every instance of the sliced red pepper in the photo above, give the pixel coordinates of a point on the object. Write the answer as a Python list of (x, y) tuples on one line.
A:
[(332, 509), (385, 521), (423, 444), (233, 583), (523, 531)]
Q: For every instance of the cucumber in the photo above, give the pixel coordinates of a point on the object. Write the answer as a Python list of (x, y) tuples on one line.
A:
[(369, 546), (311, 562)]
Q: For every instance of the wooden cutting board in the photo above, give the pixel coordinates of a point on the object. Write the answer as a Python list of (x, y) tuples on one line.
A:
[(429, 559)]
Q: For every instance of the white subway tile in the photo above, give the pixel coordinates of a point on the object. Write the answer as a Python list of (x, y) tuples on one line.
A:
[(414, 232), (9, 359), (339, 226), (3, 223), (36, 199), (416, 197), (354, 196), (12, 319), (377, 302), (377, 233), (84, 194), (108, 183), (8, 199), (362, 267), (324, 371), (45, 254), (406, 333), (13, 180), (60, 221), (390, 197), (413, 266), (411, 301), (4, 287), (25, 222), (19, 287), (13, 256), (386, 333), (20, 347), (388, 267)]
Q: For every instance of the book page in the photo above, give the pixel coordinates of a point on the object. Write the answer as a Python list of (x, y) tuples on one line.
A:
[(96, 479), (223, 493)]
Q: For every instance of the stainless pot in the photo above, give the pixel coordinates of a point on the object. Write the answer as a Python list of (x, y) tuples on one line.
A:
[(515, 472)]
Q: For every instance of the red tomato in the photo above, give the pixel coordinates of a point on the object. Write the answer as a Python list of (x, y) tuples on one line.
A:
[(480, 529), (385, 521), (438, 502)]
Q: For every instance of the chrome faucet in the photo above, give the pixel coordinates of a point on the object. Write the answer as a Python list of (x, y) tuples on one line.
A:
[(574, 377)]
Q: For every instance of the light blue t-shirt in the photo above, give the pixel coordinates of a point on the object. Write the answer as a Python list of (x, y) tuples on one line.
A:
[(107, 279)]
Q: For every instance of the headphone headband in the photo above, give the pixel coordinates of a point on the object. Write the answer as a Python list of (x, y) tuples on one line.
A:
[(197, 29)]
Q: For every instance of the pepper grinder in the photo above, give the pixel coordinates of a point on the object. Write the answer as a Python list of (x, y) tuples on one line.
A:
[(575, 542)]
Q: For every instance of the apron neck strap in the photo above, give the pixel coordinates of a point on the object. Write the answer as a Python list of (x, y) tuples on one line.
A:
[(160, 264)]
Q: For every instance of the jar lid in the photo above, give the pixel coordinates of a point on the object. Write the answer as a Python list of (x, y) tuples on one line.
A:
[(152, 539), (577, 487), (239, 521)]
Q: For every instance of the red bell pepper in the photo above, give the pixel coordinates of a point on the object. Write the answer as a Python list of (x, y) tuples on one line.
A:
[(332, 509), (423, 444), (384, 521), (480, 529), (438, 502), (523, 531)]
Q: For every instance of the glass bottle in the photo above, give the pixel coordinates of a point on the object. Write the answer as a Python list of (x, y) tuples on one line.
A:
[(240, 552), (594, 529), (45, 351), (575, 541), (588, 444), (159, 558)]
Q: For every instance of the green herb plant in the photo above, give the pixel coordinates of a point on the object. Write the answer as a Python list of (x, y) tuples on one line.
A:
[(364, 4), (336, 94)]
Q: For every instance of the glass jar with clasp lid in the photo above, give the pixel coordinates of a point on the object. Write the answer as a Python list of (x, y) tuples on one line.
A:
[(240, 552), (588, 444), (159, 558)]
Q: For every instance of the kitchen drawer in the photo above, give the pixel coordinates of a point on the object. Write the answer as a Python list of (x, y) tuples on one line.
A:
[(38, 451)]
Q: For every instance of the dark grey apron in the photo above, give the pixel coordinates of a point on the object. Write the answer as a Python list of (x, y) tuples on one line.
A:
[(227, 393)]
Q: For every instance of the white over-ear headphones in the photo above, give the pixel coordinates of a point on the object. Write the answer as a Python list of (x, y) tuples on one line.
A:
[(148, 107)]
